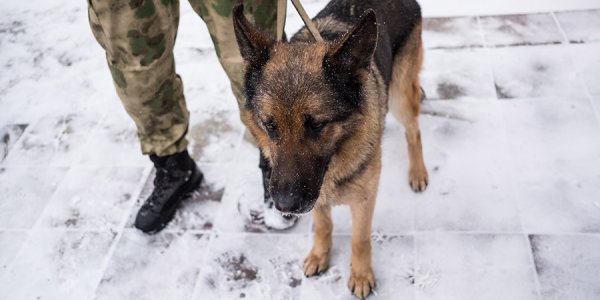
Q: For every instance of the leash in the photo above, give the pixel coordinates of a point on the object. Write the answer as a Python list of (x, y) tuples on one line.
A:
[(281, 11)]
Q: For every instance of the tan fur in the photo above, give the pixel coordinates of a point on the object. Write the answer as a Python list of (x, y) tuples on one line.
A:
[(360, 195), (405, 100)]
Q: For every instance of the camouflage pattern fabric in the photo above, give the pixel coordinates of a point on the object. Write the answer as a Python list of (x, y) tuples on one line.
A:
[(138, 37)]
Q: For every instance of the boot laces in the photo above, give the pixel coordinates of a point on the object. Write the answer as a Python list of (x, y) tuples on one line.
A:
[(162, 183)]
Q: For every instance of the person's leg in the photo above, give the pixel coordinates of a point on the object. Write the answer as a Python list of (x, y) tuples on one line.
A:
[(217, 16), (138, 37)]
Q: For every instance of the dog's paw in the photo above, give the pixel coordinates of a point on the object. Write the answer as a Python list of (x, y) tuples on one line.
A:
[(315, 264), (418, 179), (361, 283)]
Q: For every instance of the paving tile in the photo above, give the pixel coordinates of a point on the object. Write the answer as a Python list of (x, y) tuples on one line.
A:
[(10, 243), (206, 86), (43, 77), (518, 30), (25, 192), (587, 61), (392, 262), (161, 266), (596, 103), (83, 200), (474, 267), (244, 192), (197, 212), (53, 77), (551, 128), (568, 266), (461, 32), (561, 198), (270, 269), (581, 26), (56, 265), (467, 156), (115, 143), (9, 134), (540, 71), (455, 74), (557, 163), (214, 135), (55, 141)]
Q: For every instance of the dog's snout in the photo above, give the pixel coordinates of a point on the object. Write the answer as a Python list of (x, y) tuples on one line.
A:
[(295, 182), (286, 198)]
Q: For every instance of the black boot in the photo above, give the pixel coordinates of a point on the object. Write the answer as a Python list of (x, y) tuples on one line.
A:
[(176, 177)]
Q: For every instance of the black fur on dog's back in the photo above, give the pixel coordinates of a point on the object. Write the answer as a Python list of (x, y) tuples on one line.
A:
[(396, 19)]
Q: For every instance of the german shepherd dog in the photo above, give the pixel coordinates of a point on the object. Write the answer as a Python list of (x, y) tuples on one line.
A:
[(317, 112)]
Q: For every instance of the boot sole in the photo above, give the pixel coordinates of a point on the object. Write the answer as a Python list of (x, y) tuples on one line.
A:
[(187, 190)]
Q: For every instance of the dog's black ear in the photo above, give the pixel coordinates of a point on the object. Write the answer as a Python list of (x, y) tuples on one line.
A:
[(253, 43), (355, 49)]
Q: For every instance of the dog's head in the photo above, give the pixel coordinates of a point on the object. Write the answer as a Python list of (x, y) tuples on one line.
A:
[(304, 100)]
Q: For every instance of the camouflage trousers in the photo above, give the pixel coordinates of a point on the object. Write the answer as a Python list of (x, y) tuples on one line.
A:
[(138, 37)]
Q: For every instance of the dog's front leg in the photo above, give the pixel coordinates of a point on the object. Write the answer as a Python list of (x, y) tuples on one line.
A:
[(318, 259), (362, 280)]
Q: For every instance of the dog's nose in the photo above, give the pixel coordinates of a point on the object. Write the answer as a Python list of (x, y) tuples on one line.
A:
[(287, 202), (286, 196)]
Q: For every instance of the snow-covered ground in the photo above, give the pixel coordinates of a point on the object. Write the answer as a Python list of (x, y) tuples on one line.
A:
[(511, 136)]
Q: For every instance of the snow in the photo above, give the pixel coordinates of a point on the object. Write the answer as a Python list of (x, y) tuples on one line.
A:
[(556, 153), (515, 30), (510, 134), (82, 201), (580, 26), (40, 182), (10, 134), (10, 243), (566, 268), (477, 266), (132, 261), (436, 8), (115, 135), (537, 71), (214, 134), (253, 267), (459, 200), (457, 74), (587, 60), (56, 265), (451, 33)]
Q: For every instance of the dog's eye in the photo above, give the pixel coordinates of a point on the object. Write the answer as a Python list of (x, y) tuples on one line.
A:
[(317, 125), (270, 126), (314, 126)]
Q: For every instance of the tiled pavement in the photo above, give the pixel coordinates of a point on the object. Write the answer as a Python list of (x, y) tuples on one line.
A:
[(511, 135)]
